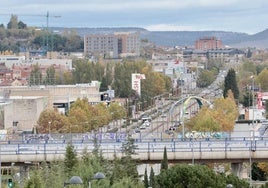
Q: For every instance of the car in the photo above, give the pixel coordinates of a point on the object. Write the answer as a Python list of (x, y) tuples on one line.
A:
[(163, 115), (143, 126), (177, 124), (172, 128), (137, 131), (146, 123)]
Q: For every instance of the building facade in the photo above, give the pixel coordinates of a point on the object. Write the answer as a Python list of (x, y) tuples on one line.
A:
[(101, 45), (112, 45), (208, 43), (24, 104), (128, 44)]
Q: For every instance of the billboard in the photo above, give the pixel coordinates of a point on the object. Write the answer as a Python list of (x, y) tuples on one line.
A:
[(136, 82)]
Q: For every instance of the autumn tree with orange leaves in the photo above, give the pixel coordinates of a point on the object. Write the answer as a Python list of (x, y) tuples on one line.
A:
[(221, 117)]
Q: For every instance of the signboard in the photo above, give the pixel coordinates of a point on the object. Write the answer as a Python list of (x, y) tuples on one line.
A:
[(136, 82)]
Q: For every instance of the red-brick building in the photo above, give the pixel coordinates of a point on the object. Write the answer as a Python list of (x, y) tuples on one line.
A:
[(5, 74), (208, 43)]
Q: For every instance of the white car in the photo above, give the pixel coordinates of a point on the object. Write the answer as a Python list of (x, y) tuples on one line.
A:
[(146, 123)]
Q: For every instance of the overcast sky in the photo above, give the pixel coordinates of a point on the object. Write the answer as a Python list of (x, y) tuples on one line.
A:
[(248, 16)]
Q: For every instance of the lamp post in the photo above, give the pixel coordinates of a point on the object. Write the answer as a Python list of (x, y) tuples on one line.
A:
[(253, 101), (192, 144), (98, 176), (250, 170), (251, 150), (49, 124), (75, 180)]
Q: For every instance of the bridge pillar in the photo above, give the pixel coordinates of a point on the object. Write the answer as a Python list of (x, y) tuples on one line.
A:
[(24, 172), (237, 169)]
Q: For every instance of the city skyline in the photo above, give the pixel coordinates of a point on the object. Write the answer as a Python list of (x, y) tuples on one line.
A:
[(154, 15)]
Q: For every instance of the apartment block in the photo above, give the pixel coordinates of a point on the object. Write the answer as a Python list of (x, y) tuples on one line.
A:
[(208, 43), (128, 44), (101, 45), (120, 44)]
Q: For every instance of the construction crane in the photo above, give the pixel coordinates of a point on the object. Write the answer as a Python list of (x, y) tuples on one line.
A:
[(47, 15)]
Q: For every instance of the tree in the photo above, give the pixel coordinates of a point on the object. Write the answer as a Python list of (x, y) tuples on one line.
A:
[(235, 181), (230, 83), (192, 176), (52, 174), (126, 166), (205, 78), (226, 112), (152, 178), (35, 181), (22, 25), (52, 121), (50, 76), (204, 121), (258, 173), (117, 111), (164, 162), (247, 99), (70, 160), (13, 22), (129, 147), (262, 79), (127, 182), (35, 75), (219, 118), (145, 180)]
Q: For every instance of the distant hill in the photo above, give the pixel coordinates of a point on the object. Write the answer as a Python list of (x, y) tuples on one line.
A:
[(186, 38), (259, 40)]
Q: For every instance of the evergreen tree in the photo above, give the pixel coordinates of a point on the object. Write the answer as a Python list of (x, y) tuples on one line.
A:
[(35, 181), (164, 162), (129, 147), (230, 83), (13, 22), (50, 76), (22, 25), (70, 160), (145, 181), (247, 99), (152, 181), (36, 75)]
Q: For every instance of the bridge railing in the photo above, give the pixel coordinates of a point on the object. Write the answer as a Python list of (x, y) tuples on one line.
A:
[(22, 151)]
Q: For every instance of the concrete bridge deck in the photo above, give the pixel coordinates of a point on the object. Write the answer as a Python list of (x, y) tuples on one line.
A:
[(234, 151)]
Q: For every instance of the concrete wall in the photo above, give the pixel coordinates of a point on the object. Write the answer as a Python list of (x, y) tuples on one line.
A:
[(26, 111), (23, 110), (24, 104)]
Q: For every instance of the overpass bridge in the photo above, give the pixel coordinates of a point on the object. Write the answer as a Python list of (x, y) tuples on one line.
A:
[(200, 151)]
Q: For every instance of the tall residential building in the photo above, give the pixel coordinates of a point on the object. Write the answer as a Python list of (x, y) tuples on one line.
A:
[(128, 43), (101, 45), (208, 43), (112, 45)]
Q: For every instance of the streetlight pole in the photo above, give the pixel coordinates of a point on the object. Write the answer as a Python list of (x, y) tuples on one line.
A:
[(250, 170), (192, 143), (49, 124), (253, 112)]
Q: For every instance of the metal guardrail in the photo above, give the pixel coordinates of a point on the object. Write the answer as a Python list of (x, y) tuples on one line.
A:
[(177, 150)]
